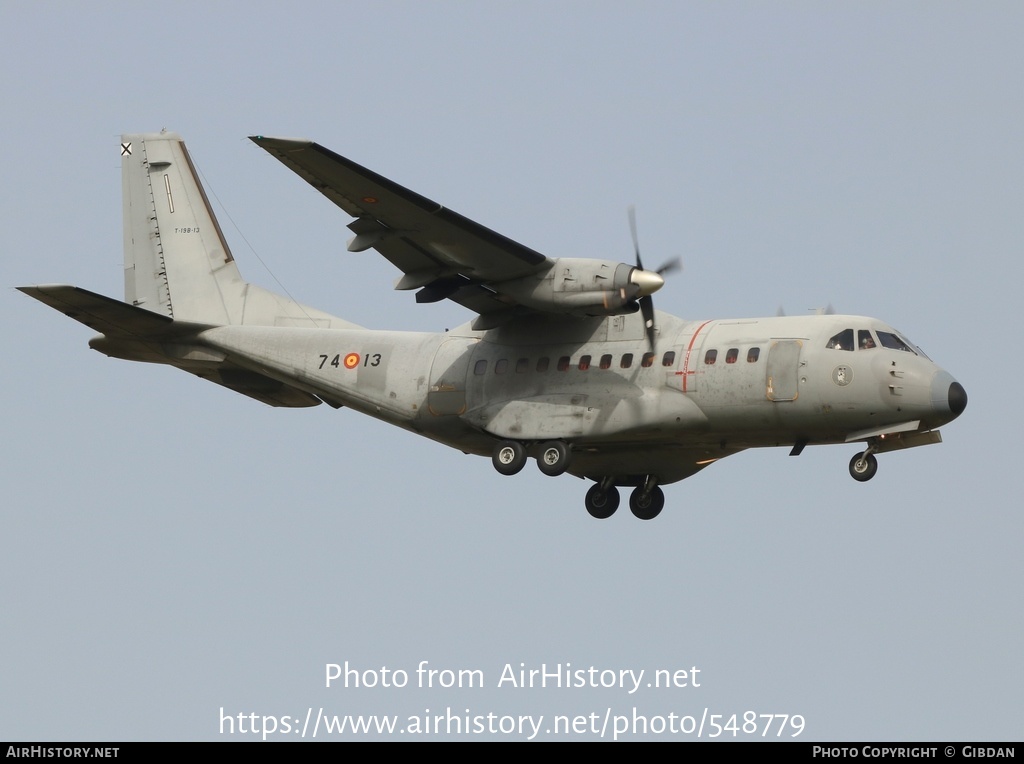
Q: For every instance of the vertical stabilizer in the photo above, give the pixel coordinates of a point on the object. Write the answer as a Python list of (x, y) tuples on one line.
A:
[(176, 260)]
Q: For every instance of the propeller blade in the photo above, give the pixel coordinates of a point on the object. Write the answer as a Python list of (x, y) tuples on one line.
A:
[(631, 212), (647, 311), (675, 264)]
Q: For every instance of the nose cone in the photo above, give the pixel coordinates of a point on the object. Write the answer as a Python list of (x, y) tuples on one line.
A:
[(957, 398), (949, 399)]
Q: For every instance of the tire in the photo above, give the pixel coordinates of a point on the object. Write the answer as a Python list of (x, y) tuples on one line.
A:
[(863, 467), (646, 507), (553, 458), (602, 504), (509, 457)]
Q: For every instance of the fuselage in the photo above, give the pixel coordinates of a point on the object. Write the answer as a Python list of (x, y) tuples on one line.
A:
[(707, 389)]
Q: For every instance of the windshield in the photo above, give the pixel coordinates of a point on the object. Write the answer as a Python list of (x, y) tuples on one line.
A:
[(896, 341)]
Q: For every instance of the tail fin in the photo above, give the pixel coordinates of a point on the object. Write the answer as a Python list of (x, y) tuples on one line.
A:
[(176, 261)]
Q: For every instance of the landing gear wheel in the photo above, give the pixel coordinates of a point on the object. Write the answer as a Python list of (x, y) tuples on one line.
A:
[(553, 459), (602, 504), (509, 457), (863, 466), (646, 506)]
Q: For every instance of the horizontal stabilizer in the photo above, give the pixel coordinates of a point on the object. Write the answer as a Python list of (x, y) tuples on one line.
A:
[(141, 335), (107, 315)]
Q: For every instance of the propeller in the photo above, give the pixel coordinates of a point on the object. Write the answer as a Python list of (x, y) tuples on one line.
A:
[(647, 282)]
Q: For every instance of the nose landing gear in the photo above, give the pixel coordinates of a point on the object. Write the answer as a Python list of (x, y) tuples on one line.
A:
[(863, 466)]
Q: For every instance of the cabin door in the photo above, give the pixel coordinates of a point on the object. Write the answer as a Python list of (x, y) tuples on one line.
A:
[(783, 372), (447, 393)]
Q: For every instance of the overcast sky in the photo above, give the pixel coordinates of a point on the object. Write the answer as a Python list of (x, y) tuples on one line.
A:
[(173, 549)]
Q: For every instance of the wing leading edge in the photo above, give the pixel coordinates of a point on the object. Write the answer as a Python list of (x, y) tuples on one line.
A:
[(441, 253)]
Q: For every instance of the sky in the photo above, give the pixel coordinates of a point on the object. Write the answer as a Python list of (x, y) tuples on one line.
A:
[(185, 563)]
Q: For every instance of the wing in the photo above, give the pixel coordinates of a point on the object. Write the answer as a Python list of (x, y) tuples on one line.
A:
[(441, 253)]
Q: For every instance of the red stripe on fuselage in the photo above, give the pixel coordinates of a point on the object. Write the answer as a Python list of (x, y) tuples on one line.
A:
[(686, 358)]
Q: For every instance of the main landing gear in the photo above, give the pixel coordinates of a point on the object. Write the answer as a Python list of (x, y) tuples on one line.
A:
[(602, 502), (510, 456), (646, 501), (553, 457)]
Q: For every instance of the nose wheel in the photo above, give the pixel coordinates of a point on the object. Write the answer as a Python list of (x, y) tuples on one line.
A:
[(863, 466)]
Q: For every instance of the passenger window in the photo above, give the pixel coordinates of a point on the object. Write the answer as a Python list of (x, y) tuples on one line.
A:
[(584, 362), (753, 354), (501, 366), (480, 367), (842, 341), (627, 360), (563, 363), (543, 364), (606, 361), (865, 340), (522, 365), (647, 360), (669, 358), (710, 357), (732, 355)]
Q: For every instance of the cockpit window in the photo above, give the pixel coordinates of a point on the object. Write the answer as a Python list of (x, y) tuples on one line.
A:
[(865, 340), (842, 341), (891, 341)]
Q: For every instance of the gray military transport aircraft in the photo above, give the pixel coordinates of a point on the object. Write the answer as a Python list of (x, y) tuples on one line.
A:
[(566, 361)]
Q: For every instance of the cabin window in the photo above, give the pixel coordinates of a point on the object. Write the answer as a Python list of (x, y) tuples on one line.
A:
[(731, 355), (864, 340), (669, 358), (501, 366), (543, 364), (480, 367), (891, 341), (648, 360), (627, 360), (710, 357), (606, 361), (522, 365), (584, 362), (753, 354), (842, 341), (563, 363)]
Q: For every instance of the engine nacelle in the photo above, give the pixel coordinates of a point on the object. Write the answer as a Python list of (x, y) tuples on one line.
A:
[(584, 287)]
